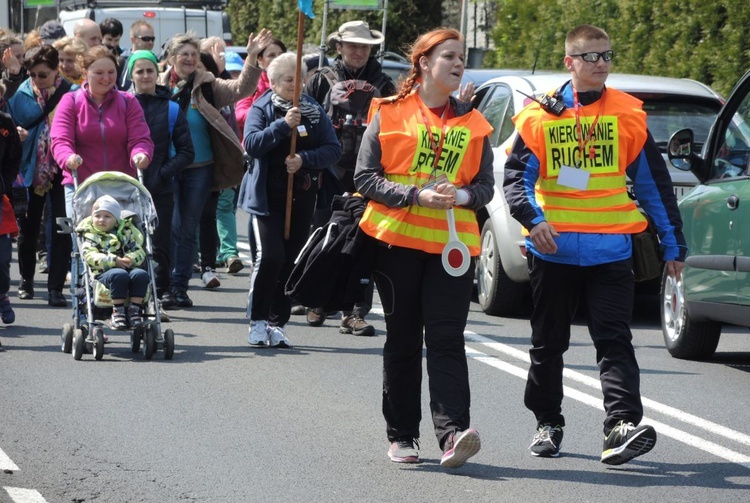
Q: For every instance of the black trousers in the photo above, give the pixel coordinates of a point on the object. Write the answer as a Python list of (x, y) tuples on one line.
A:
[(607, 291), (61, 244), (274, 259), (209, 235), (423, 303), (162, 241)]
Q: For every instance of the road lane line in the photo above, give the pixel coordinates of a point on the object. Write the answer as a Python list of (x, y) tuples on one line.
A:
[(592, 382), (6, 463), (596, 402), (20, 495)]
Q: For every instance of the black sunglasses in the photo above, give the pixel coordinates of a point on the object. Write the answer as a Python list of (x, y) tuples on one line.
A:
[(147, 39), (593, 57), (41, 75)]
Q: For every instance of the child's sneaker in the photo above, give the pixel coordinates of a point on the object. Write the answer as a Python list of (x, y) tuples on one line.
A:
[(134, 315), (6, 311), (118, 320)]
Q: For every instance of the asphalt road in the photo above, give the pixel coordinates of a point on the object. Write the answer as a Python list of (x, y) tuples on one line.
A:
[(226, 422)]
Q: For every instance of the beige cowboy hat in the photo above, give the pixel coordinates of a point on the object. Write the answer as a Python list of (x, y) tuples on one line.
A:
[(356, 32)]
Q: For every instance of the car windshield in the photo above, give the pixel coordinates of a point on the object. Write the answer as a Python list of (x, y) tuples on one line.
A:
[(669, 114)]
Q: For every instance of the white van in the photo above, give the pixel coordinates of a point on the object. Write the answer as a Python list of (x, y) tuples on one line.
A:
[(205, 18)]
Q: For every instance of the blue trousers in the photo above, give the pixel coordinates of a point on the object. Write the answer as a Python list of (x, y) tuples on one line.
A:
[(123, 284), (193, 189)]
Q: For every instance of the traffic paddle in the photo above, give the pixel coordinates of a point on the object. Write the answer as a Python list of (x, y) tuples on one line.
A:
[(456, 258)]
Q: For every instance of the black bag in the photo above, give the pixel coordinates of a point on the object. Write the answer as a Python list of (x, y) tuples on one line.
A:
[(333, 269), (647, 263)]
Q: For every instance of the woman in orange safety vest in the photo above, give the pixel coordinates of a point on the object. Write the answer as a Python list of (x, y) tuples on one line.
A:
[(425, 153)]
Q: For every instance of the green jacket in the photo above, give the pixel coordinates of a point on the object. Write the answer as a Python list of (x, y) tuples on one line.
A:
[(100, 249)]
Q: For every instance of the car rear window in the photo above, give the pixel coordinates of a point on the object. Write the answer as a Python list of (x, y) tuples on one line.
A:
[(667, 114)]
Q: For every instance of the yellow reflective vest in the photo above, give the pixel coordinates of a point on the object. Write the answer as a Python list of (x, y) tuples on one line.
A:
[(618, 138), (407, 158)]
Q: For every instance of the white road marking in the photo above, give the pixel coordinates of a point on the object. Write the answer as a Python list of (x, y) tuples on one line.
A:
[(19, 495), (6, 463), (592, 382), (596, 402)]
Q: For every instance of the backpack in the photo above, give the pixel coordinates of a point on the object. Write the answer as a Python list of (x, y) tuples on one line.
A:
[(348, 98)]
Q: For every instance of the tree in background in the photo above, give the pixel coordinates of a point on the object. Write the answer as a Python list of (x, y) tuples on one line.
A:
[(280, 16), (702, 40)]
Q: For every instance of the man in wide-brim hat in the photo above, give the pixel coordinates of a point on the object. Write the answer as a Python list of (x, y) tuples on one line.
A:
[(353, 41)]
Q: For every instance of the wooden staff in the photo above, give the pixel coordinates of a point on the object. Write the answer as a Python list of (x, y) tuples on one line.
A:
[(295, 102)]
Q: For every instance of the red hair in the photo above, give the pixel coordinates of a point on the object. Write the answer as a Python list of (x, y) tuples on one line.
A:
[(424, 46)]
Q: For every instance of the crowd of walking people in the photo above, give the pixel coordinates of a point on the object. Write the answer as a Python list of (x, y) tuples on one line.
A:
[(209, 132)]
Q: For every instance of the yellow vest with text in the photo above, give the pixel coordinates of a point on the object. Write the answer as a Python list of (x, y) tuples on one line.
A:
[(407, 158), (604, 207)]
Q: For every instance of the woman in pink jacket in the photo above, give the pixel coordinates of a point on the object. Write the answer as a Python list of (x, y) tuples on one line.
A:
[(98, 128)]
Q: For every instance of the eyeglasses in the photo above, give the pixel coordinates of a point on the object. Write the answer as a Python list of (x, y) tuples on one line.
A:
[(593, 57), (41, 75), (146, 38)]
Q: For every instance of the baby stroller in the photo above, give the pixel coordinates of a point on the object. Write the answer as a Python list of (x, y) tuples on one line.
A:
[(91, 301)]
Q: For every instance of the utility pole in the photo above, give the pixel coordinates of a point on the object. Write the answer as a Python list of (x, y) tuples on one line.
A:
[(464, 20)]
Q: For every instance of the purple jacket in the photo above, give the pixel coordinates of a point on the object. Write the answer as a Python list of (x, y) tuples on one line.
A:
[(106, 136)]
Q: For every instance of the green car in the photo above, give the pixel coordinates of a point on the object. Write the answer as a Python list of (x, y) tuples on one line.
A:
[(715, 286)]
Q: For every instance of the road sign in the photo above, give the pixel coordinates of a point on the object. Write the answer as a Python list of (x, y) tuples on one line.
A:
[(357, 4)]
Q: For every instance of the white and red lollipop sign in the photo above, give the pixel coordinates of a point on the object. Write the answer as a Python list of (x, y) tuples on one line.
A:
[(456, 257)]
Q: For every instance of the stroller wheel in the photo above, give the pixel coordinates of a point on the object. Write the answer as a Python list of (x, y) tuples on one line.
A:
[(149, 341), (78, 344), (168, 344), (67, 338), (135, 339), (88, 346), (98, 343)]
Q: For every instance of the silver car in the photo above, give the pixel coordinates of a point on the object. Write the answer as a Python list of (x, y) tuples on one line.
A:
[(671, 104)]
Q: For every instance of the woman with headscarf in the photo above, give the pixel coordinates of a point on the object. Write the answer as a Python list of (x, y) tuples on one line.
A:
[(268, 133), (173, 151), (218, 153)]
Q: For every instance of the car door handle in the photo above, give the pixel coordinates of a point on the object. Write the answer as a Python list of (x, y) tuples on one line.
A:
[(733, 202)]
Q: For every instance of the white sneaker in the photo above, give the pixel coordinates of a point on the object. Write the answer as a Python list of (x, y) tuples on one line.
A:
[(210, 280), (278, 338), (258, 333)]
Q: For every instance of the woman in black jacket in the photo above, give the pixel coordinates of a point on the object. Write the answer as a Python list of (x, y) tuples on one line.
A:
[(173, 151)]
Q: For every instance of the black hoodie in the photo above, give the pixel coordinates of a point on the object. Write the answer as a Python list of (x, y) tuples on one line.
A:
[(159, 176)]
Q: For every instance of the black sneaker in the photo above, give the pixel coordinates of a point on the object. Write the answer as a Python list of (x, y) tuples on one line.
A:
[(181, 299), (627, 441), (168, 301), (404, 450), (547, 441)]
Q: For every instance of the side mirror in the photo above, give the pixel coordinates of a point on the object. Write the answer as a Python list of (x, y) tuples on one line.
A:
[(680, 149)]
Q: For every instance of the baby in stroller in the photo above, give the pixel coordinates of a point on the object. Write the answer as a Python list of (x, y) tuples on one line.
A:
[(112, 247)]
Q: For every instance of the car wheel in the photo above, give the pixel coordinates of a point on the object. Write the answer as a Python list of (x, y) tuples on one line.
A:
[(684, 337), (498, 295)]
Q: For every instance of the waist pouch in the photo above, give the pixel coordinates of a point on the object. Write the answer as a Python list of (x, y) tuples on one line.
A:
[(647, 263)]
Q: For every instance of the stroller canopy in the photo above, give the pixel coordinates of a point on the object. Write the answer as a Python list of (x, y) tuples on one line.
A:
[(129, 192)]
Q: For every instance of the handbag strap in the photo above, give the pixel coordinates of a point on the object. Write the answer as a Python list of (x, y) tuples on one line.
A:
[(51, 103)]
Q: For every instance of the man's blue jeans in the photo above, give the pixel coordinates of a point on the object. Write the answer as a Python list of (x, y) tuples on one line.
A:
[(193, 189)]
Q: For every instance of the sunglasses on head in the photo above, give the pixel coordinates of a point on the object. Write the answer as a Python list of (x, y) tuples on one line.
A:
[(41, 75), (593, 57), (147, 38)]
